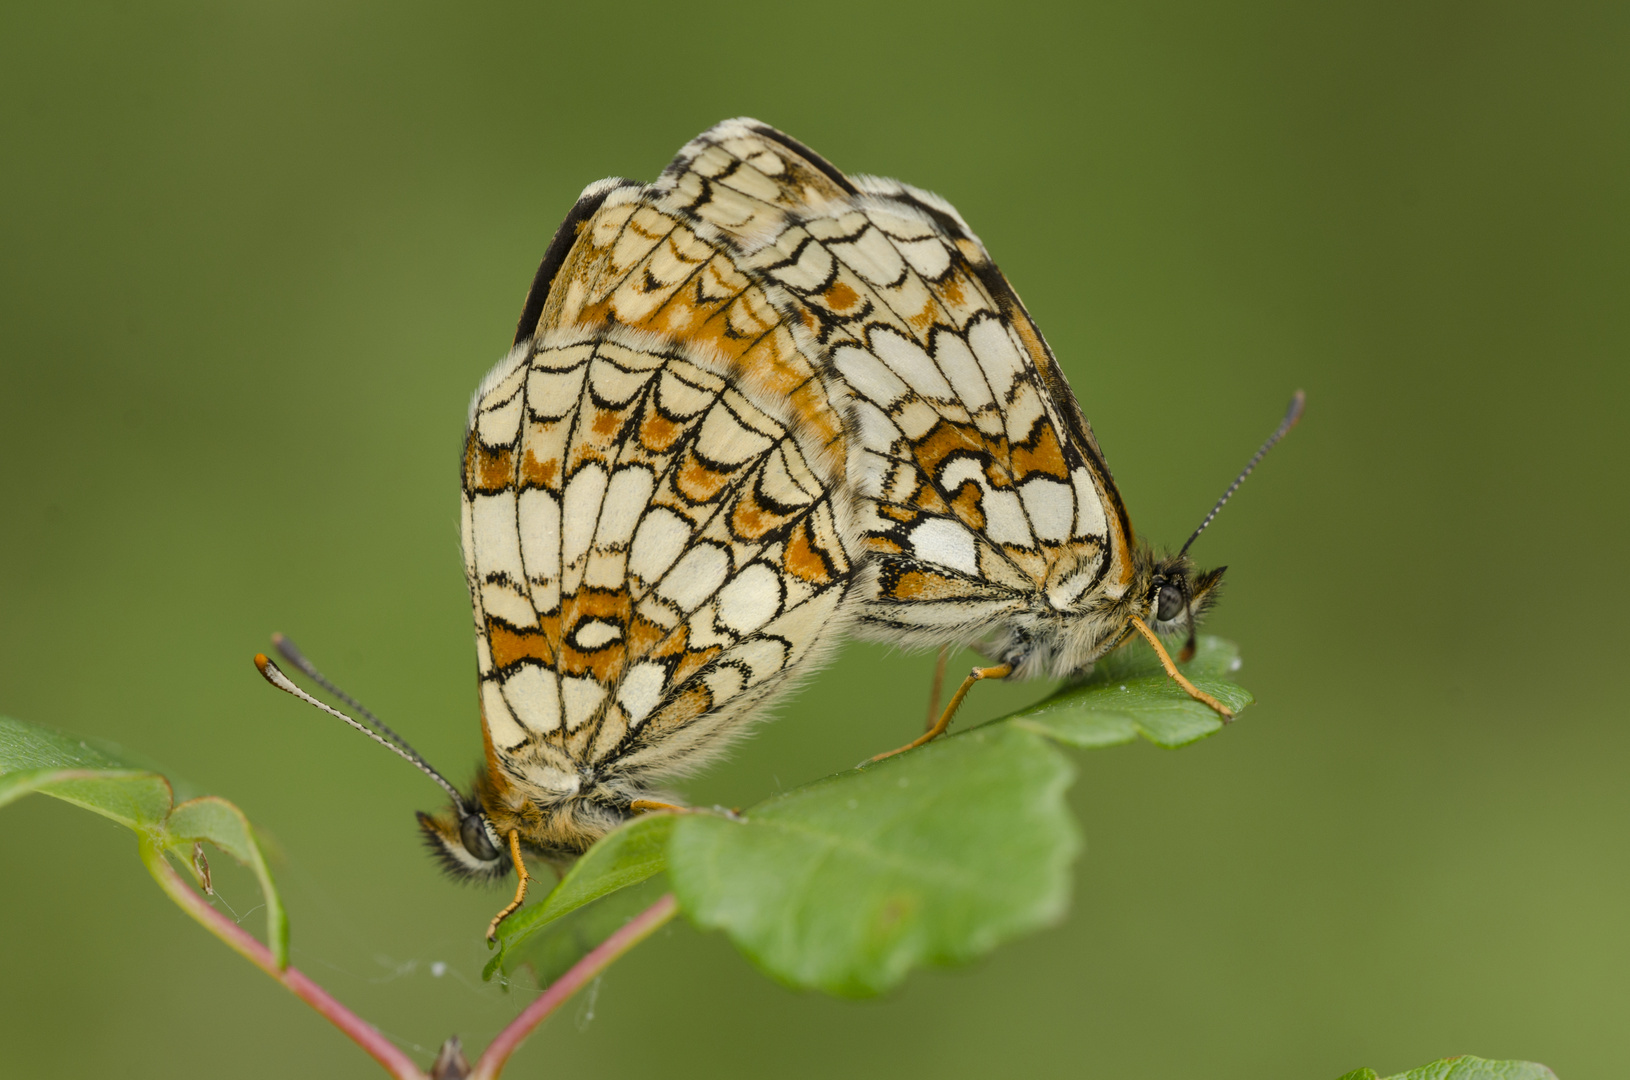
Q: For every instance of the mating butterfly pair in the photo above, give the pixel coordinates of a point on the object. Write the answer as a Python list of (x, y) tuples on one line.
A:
[(750, 407)]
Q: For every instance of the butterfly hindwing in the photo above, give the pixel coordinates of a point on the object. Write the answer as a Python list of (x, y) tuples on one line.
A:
[(652, 544), (980, 483)]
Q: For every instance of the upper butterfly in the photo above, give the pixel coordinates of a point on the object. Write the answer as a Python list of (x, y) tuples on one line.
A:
[(986, 507)]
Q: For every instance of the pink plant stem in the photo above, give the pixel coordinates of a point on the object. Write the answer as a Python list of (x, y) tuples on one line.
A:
[(248, 946), (598, 959)]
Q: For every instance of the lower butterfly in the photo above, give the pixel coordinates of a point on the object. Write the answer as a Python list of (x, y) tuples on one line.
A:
[(657, 539)]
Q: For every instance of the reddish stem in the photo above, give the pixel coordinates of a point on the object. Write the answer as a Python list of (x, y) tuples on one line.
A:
[(364, 1034), (359, 1031), (598, 959)]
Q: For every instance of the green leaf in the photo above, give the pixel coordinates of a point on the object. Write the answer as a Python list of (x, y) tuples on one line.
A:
[(138, 800), (930, 857), (625, 856), (81, 772), (1466, 1068), (101, 779), (24, 746), (1128, 694)]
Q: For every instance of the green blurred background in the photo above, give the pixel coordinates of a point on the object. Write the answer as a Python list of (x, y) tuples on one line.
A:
[(256, 258)]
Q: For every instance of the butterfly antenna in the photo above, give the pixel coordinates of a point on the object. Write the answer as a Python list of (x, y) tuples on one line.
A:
[(291, 652), (274, 675), (1292, 414)]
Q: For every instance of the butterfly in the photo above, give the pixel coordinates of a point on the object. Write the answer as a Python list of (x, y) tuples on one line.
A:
[(748, 407), (657, 536), (988, 514)]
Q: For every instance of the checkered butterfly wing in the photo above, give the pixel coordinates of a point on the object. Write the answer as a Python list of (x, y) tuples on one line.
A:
[(982, 488), (651, 506), (634, 256)]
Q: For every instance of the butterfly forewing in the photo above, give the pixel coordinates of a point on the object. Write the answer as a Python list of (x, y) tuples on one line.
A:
[(641, 262)]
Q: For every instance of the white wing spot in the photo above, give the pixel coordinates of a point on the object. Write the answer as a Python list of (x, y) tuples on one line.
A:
[(942, 541), (641, 690), (723, 439), (1089, 506), (581, 696), (751, 600), (1051, 507), (499, 426), (967, 379), (994, 350), (1004, 519), (532, 694), (500, 721), (909, 361), (496, 536), (872, 257), (724, 682), (596, 633), (928, 257), (696, 577), (584, 493), (539, 522), (866, 374), (657, 543), (552, 394), (626, 497)]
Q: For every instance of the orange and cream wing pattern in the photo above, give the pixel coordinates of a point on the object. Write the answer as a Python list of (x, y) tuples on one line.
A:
[(640, 259), (981, 485), (649, 552)]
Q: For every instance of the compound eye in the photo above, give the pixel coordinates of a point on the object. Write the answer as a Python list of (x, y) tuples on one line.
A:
[(474, 834), (1171, 603)]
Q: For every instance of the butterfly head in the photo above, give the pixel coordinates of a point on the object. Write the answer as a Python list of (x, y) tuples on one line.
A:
[(555, 823), (465, 842), (1175, 594)]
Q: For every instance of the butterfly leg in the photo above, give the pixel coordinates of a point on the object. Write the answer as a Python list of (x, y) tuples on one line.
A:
[(1001, 671), (520, 888), (934, 691), (656, 806), (1177, 676)]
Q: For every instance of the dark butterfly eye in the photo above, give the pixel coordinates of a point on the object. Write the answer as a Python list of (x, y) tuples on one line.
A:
[(474, 834), (1171, 603)]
